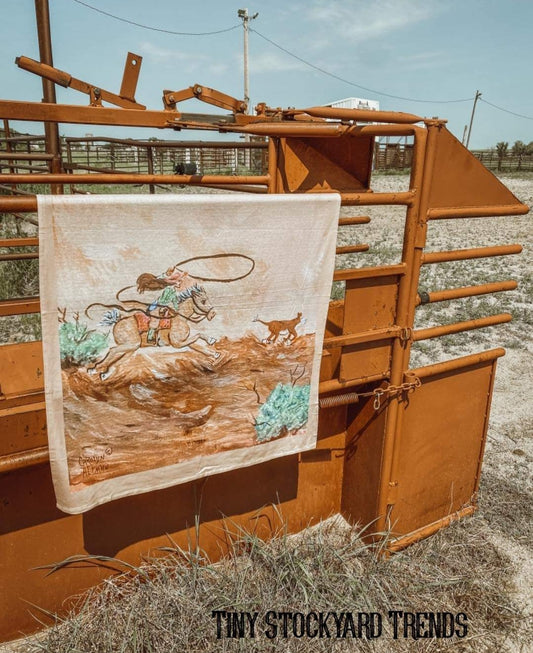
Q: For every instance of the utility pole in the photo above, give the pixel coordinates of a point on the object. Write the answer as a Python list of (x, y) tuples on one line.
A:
[(243, 15), (478, 95), (51, 129)]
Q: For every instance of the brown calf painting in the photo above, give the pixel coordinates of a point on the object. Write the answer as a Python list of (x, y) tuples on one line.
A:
[(182, 335)]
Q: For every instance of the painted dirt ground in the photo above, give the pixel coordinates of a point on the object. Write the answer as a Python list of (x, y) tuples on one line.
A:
[(174, 405)]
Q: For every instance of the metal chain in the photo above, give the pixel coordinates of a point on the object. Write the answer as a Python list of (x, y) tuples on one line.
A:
[(408, 386)]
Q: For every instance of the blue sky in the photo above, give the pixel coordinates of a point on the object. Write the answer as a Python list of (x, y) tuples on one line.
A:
[(418, 49)]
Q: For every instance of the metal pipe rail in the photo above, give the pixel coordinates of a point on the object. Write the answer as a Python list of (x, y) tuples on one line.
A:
[(22, 156), (352, 249), (464, 254), (20, 166), (19, 256), (364, 336), (476, 212), (13, 461), (356, 219), (221, 145), (19, 306), (459, 327), (134, 178), (467, 291), (19, 242)]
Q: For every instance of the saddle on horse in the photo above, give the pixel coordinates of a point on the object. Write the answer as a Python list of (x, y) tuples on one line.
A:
[(151, 325)]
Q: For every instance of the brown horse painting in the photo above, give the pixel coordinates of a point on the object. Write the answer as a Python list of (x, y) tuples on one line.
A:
[(134, 321)]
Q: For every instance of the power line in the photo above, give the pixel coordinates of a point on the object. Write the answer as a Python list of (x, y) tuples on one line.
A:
[(520, 115), (155, 29), (346, 81)]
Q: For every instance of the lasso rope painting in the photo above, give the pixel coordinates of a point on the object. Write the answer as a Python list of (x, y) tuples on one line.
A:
[(182, 335)]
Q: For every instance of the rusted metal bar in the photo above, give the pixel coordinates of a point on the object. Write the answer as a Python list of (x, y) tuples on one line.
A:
[(9, 148), (135, 178), (384, 130), (20, 306), (20, 166), (334, 384), (26, 219), (362, 115), (458, 327), (292, 129), (424, 154), (272, 164), (80, 115), (23, 138), (364, 336), (463, 254), (352, 249), (87, 168), (377, 199), (477, 212), (130, 76), (215, 145), (66, 80), (456, 363), (53, 146), (15, 191), (25, 203), (21, 156), (240, 188), (18, 257), (19, 242), (150, 165), (421, 533), (467, 291), (356, 219), (23, 459), (368, 272)]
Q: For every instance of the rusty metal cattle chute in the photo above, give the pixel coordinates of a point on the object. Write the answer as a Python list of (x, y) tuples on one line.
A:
[(399, 448)]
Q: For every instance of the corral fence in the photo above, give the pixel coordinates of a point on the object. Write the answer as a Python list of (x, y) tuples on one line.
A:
[(26, 153), (509, 163)]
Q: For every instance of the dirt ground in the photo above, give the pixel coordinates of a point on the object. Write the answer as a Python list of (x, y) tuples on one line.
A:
[(507, 479)]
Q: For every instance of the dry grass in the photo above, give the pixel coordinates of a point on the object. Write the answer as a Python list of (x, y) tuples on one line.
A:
[(168, 605)]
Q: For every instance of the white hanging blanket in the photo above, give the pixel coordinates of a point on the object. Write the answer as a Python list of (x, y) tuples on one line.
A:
[(182, 335)]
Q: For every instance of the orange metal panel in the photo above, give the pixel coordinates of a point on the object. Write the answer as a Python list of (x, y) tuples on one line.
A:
[(21, 369), (461, 180), (22, 431), (370, 304), (362, 463), (441, 446), (311, 164), (330, 359)]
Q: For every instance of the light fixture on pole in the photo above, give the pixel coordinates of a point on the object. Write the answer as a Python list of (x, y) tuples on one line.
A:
[(243, 15)]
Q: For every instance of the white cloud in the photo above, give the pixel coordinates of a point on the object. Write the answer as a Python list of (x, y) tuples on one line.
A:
[(363, 19), (266, 62), (190, 61)]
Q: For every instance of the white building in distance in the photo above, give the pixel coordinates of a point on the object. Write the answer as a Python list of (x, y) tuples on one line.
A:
[(355, 103)]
